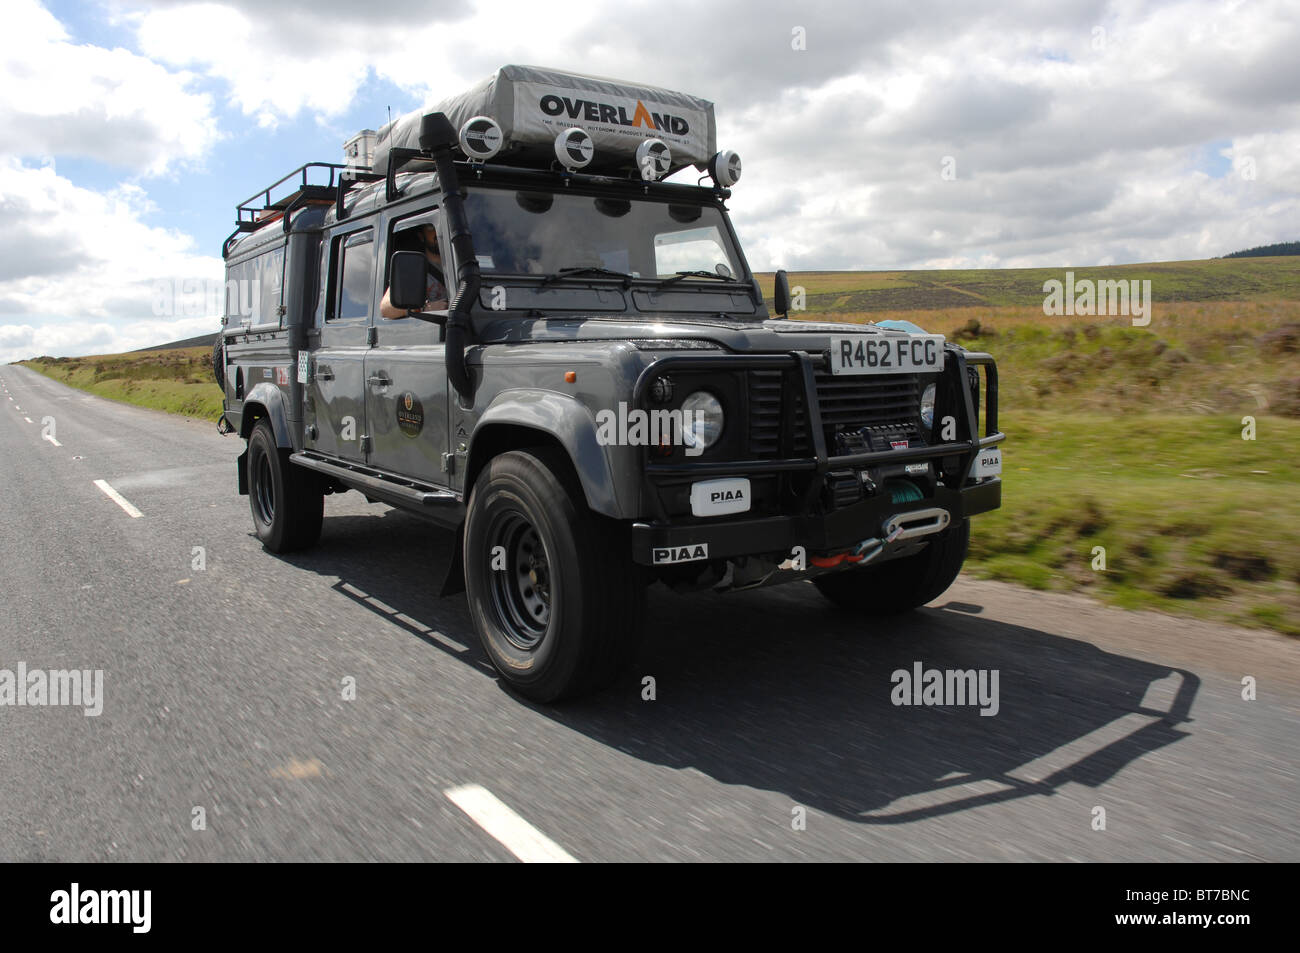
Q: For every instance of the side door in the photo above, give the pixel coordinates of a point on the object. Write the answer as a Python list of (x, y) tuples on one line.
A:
[(406, 375), (335, 413)]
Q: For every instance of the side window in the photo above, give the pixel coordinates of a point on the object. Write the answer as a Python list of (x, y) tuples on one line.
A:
[(238, 296), (351, 291), (321, 298), (270, 283), (406, 235), (254, 289)]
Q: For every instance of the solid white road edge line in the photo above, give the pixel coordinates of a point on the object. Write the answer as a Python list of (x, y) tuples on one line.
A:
[(119, 499), (513, 832)]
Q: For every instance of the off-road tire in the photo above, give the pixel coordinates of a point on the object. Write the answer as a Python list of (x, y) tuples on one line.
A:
[(287, 501), (562, 613)]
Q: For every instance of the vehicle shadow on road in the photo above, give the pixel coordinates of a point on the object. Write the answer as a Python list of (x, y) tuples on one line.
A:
[(775, 689), (778, 690)]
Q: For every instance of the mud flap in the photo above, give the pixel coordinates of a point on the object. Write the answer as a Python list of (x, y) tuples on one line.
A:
[(449, 551), (241, 468)]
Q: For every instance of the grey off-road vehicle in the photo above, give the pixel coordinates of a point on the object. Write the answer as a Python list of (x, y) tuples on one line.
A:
[(605, 401)]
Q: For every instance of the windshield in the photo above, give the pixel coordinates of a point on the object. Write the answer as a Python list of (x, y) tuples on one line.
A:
[(541, 233)]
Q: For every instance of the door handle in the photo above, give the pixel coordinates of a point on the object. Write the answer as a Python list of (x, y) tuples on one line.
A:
[(324, 373), (378, 381)]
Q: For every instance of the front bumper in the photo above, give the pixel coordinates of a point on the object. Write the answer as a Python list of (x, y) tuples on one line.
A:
[(666, 539), (842, 529)]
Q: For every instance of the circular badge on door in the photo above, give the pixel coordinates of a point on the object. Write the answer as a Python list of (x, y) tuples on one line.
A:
[(410, 414)]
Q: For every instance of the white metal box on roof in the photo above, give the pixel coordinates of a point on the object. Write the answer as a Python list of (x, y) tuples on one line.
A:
[(532, 105)]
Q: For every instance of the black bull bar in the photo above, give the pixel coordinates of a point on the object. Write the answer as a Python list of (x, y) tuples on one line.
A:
[(752, 534)]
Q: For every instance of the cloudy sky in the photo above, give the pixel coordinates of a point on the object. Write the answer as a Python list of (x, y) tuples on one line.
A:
[(889, 135)]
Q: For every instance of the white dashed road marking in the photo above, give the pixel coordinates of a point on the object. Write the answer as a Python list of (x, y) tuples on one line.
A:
[(28, 419), (514, 833), (119, 499)]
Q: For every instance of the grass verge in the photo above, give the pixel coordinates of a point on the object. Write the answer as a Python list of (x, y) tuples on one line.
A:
[(178, 381), (1189, 517)]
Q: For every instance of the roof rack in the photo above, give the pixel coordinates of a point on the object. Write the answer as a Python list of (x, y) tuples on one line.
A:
[(346, 181), (261, 209), (250, 215), (397, 159)]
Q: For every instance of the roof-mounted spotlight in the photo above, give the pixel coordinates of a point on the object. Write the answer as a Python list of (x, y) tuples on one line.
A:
[(653, 159), (725, 168), (481, 138), (574, 148)]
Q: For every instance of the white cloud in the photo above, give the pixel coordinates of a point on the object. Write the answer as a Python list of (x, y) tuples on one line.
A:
[(267, 84), (1084, 132), (78, 268), (61, 98), (75, 338), (280, 60), (1088, 156), (1075, 127)]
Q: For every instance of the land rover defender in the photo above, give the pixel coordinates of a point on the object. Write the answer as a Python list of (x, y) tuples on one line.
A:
[(606, 400)]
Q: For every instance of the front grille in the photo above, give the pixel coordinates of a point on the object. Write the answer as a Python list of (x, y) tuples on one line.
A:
[(846, 403), (765, 413)]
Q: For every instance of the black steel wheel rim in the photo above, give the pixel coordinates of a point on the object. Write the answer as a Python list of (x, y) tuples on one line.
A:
[(264, 489), (519, 580)]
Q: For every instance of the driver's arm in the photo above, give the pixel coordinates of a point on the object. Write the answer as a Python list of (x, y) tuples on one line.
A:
[(387, 310)]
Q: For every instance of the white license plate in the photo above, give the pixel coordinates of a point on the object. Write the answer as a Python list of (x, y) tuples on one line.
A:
[(862, 354)]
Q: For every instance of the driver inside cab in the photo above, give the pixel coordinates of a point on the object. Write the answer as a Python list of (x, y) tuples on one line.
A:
[(426, 239)]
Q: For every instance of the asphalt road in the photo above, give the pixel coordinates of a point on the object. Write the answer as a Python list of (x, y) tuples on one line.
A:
[(223, 690)]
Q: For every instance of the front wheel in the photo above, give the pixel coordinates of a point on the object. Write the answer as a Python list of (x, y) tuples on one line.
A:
[(288, 502), (901, 584), (555, 597)]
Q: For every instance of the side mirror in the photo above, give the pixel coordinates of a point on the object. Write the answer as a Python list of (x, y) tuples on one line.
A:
[(782, 296), (406, 282)]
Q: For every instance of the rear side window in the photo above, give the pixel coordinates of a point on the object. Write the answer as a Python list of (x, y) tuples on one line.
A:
[(255, 289), (354, 275), (270, 286), (239, 297)]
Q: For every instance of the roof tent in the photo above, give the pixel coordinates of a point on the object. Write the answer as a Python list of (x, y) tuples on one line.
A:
[(533, 105)]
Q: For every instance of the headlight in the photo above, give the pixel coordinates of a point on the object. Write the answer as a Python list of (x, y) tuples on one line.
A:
[(705, 416), (927, 406)]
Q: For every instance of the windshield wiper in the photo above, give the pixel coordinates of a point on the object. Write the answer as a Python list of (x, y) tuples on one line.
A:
[(693, 274), (587, 270)]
